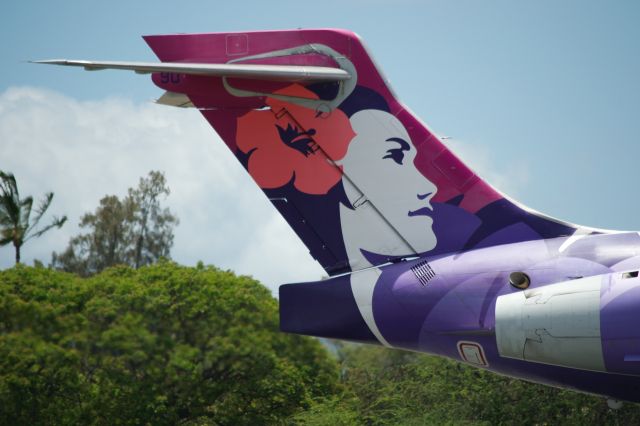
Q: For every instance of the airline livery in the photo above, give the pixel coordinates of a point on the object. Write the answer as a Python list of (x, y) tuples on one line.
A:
[(422, 254)]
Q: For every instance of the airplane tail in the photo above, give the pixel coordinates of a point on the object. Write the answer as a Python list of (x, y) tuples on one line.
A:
[(356, 175)]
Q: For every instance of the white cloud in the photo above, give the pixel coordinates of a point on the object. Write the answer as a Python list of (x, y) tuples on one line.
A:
[(85, 150)]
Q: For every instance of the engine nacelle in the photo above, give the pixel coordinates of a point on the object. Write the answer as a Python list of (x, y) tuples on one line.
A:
[(588, 323)]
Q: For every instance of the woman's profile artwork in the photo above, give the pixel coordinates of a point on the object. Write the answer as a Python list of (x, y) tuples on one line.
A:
[(363, 183), (359, 158), (380, 162)]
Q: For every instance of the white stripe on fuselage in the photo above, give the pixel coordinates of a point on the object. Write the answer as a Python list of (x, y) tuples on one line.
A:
[(579, 234), (362, 285)]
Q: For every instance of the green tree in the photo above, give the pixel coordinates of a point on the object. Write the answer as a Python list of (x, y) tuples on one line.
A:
[(163, 344), (383, 387), (17, 225), (152, 234), (134, 231)]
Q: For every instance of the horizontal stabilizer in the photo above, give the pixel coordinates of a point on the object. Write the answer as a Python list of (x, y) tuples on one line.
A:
[(250, 71)]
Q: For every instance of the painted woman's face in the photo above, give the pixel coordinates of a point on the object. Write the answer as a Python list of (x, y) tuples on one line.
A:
[(379, 162)]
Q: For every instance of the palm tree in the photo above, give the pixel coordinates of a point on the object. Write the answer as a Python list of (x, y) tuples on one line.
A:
[(16, 224)]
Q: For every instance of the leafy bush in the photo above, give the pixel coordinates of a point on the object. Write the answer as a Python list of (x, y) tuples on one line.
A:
[(387, 387), (164, 344), (167, 344)]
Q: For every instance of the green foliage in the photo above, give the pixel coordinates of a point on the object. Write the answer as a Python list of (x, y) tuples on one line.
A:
[(134, 231), (385, 387), (17, 226), (163, 344), (166, 344)]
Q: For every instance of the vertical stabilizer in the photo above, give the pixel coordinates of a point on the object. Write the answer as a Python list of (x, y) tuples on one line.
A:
[(357, 176)]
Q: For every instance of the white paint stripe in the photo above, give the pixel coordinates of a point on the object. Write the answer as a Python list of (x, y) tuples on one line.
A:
[(362, 286), (579, 234)]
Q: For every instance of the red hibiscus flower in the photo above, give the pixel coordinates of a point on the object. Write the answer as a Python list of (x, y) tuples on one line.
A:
[(289, 141)]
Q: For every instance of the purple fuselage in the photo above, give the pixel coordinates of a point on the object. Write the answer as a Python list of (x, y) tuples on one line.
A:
[(575, 326)]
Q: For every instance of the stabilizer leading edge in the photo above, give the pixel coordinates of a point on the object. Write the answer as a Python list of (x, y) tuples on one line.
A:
[(291, 73)]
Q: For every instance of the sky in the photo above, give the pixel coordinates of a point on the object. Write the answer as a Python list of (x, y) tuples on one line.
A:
[(539, 98)]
